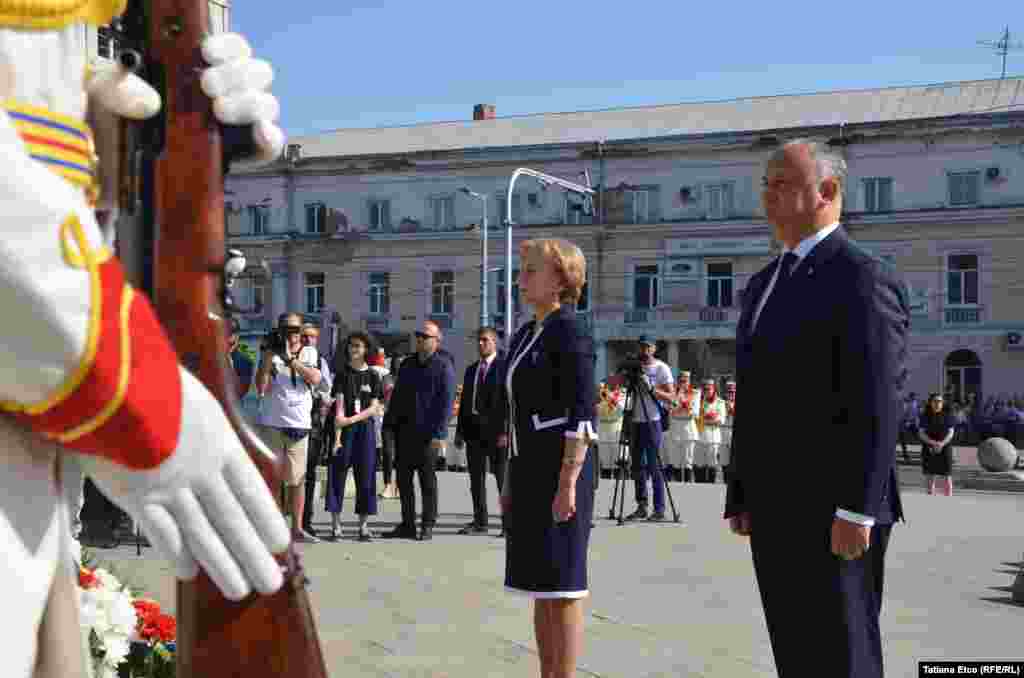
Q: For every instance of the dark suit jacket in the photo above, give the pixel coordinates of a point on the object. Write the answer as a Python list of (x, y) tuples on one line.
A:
[(819, 389), (490, 422), (555, 383)]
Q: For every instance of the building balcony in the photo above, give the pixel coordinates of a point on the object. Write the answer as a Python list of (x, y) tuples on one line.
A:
[(377, 322), (964, 315)]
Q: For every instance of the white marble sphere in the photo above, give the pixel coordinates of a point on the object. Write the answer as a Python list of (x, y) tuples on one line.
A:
[(997, 455)]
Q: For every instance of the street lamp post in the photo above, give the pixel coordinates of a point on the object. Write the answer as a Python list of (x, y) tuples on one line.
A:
[(545, 181), (483, 257)]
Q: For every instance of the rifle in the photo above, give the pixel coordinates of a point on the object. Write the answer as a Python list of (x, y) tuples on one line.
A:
[(171, 184)]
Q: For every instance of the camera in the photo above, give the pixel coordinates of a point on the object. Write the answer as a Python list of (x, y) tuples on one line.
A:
[(632, 368), (274, 342)]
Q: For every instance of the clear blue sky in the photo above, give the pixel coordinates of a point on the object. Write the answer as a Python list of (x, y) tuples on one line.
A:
[(395, 63)]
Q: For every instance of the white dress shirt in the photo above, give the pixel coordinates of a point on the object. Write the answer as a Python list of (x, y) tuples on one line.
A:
[(802, 249)]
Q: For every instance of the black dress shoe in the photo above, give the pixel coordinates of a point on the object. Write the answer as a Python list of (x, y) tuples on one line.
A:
[(401, 532), (639, 514), (656, 517), (473, 528), (426, 534)]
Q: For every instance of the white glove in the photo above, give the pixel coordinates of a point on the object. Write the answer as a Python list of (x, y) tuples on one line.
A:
[(235, 81), (206, 503)]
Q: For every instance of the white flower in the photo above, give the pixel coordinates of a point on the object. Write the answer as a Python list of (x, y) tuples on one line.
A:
[(76, 551), (88, 608), (107, 580), (122, 614), (117, 648)]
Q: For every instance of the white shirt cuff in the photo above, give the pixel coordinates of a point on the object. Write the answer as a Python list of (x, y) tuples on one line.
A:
[(850, 516), (584, 430)]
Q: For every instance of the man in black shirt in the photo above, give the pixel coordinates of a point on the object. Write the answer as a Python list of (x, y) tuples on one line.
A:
[(418, 414)]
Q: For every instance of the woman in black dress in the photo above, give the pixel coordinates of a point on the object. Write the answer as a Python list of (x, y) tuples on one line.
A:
[(548, 493), (936, 431)]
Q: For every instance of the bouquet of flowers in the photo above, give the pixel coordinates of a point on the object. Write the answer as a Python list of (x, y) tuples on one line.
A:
[(155, 633), (108, 619), (611, 405), (128, 637)]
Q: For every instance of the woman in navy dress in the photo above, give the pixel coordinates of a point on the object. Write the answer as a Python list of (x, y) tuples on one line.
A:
[(548, 493), (936, 430)]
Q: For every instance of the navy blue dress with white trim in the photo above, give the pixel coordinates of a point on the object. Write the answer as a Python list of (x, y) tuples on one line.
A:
[(550, 384)]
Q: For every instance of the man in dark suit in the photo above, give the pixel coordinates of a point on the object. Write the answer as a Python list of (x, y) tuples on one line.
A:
[(828, 322), (481, 426), (418, 415)]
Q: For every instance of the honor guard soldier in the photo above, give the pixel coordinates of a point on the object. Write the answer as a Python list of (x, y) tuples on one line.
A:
[(684, 430), (712, 415), (87, 371), (725, 451)]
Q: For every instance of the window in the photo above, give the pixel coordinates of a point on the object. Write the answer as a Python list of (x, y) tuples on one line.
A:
[(315, 288), (963, 188), (316, 217), (642, 206), (878, 194), (572, 212), (720, 285), (646, 287), (259, 219), (380, 215), (583, 305), (499, 291), (719, 201), (442, 285), (441, 212), (380, 293), (517, 208), (259, 292), (962, 280)]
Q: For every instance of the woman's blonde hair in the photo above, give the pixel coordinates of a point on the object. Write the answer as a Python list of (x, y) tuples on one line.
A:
[(568, 261)]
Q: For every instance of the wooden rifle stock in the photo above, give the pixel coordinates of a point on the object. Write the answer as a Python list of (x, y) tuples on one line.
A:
[(182, 209)]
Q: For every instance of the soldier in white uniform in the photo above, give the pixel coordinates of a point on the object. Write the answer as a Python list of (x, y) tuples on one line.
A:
[(145, 430), (725, 451), (712, 414), (684, 425)]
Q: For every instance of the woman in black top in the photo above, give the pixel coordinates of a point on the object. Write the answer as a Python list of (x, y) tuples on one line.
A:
[(936, 430), (548, 494), (358, 392)]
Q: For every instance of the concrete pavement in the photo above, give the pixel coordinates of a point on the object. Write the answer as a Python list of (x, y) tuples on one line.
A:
[(668, 599)]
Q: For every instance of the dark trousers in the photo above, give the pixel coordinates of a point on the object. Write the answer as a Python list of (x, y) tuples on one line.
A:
[(417, 457), (387, 455), (358, 451), (480, 456), (321, 441), (801, 582), (908, 436), (644, 450)]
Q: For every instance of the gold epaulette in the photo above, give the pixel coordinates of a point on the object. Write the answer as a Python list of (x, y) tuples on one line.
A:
[(54, 14)]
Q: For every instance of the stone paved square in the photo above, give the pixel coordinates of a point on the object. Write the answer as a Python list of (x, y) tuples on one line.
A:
[(669, 599)]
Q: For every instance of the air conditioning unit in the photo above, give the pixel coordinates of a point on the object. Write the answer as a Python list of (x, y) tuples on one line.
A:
[(1015, 341)]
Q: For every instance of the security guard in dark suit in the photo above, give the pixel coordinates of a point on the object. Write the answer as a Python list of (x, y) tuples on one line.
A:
[(481, 425)]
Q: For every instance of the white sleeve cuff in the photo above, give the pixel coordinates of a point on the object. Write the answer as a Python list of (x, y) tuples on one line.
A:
[(584, 430), (850, 516)]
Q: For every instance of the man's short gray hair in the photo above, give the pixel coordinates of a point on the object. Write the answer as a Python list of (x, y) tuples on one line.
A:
[(827, 162)]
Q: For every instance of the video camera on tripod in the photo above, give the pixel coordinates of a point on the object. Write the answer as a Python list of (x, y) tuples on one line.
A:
[(631, 374)]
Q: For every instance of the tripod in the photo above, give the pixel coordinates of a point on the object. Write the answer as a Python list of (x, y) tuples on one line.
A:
[(623, 462)]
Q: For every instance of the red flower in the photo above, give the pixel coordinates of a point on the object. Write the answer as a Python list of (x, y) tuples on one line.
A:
[(86, 578), (165, 628)]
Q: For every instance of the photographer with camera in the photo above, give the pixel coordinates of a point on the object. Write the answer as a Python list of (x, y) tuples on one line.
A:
[(651, 376), (286, 378)]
